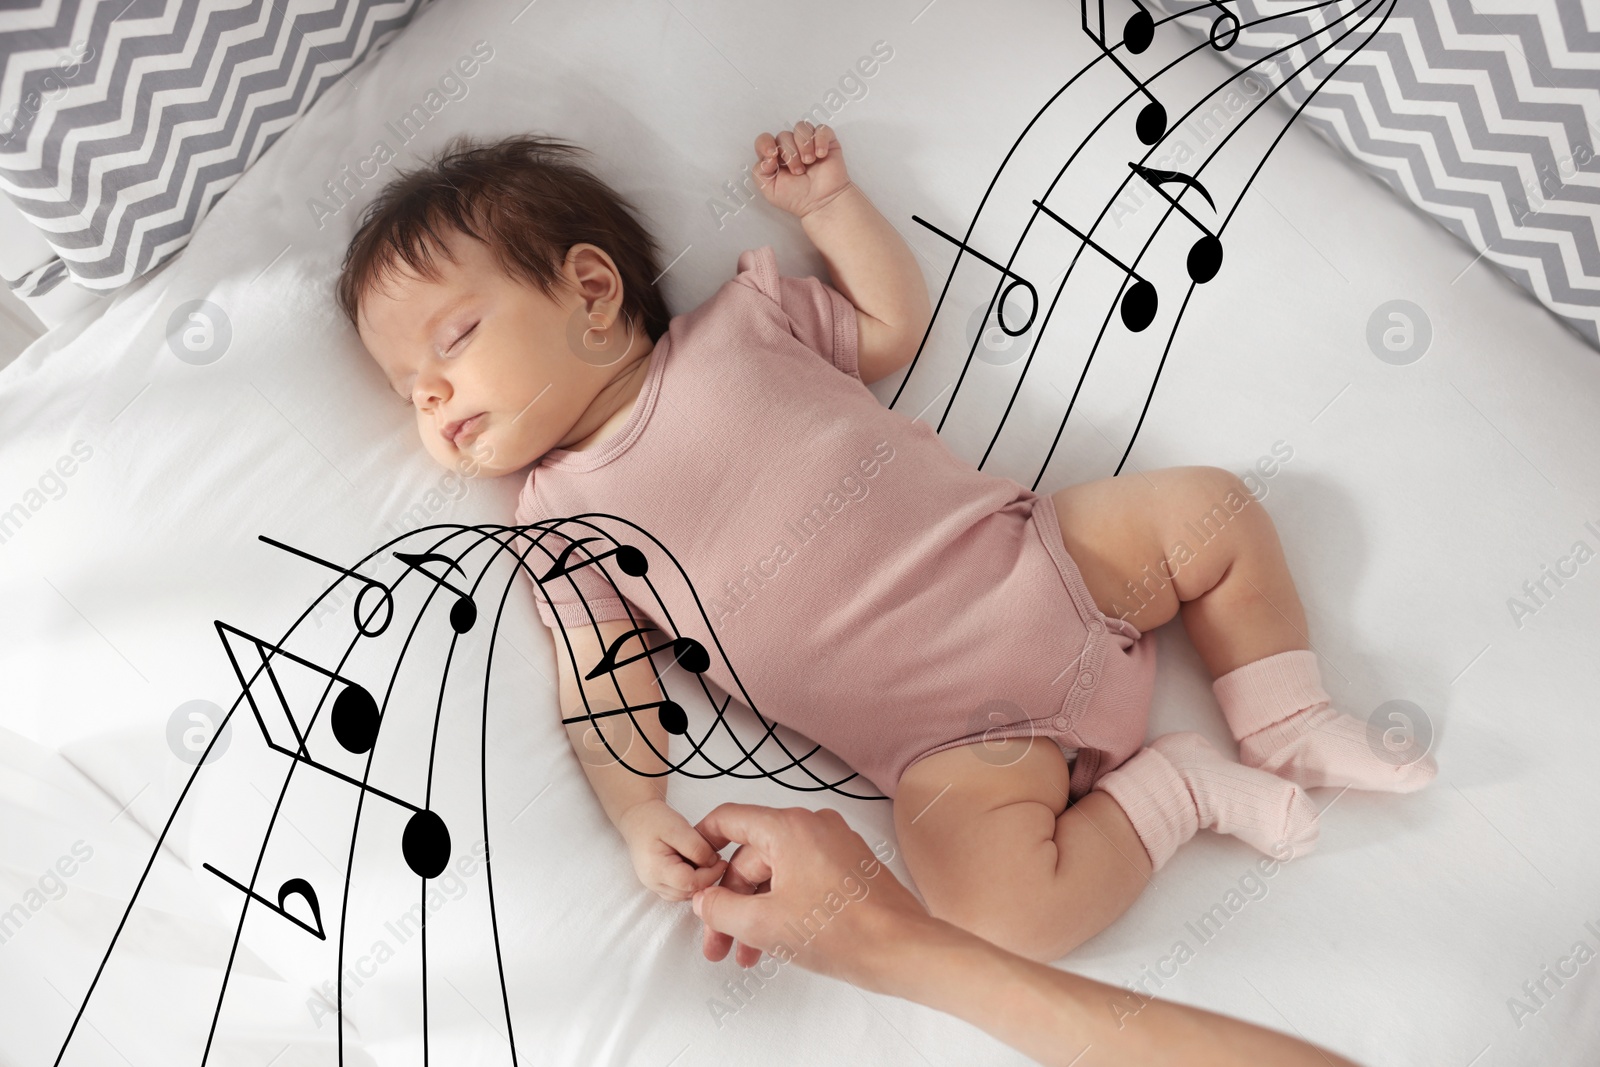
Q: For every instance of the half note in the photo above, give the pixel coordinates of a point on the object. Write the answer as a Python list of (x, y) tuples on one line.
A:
[(368, 585), (1005, 294)]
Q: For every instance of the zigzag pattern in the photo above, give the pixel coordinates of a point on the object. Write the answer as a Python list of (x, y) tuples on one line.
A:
[(1487, 121), (122, 123)]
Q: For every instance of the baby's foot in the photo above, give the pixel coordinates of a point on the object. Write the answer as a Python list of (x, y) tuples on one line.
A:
[(1259, 808), (1319, 746)]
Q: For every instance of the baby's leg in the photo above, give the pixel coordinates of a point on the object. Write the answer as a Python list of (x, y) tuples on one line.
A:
[(994, 848), (1193, 540)]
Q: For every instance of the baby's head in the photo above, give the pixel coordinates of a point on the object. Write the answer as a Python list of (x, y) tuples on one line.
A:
[(502, 289)]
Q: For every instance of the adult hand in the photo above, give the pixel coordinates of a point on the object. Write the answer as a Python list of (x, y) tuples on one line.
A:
[(802, 887)]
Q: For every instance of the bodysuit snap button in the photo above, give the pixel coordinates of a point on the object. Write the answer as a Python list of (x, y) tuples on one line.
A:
[(1060, 722), (1096, 626), (1086, 678)]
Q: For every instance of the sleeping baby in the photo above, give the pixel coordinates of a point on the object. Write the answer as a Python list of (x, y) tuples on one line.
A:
[(978, 652)]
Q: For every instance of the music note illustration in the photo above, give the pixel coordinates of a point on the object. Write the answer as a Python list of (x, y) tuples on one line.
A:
[(464, 612), (386, 603), (671, 715), (1005, 294), (425, 843), (1137, 33), (1139, 303), (1216, 23), (1205, 255), (690, 654), (630, 559), (293, 887)]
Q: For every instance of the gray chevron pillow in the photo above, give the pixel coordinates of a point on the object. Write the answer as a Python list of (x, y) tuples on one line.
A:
[(122, 123), (1484, 113)]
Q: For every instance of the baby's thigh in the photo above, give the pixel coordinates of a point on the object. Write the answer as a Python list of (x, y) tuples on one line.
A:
[(977, 826), (1129, 529)]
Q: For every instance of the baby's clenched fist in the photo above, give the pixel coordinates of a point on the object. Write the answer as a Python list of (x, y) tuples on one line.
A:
[(800, 170), (670, 857)]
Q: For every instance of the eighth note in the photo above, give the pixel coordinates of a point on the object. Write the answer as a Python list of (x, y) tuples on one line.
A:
[(297, 886), (1205, 255), (1140, 301), (464, 612), (690, 654), (1005, 294), (630, 559)]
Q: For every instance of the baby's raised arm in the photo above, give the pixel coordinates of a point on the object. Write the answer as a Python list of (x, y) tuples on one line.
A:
[(803, 173), (669, 855)]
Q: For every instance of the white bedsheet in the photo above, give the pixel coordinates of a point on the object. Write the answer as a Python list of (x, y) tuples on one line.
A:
[(1417, 501)]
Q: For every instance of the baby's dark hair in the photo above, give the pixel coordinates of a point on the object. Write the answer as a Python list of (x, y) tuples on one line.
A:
[(527, 198)]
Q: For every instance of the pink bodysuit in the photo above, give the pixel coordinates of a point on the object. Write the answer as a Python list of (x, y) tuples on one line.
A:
[(871, 590)]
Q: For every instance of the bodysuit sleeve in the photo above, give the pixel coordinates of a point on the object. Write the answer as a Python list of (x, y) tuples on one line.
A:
[(820, 317), (579, 597)]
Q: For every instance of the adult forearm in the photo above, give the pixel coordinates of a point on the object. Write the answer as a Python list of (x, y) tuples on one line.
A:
[(1059, 1018), (870, 262)]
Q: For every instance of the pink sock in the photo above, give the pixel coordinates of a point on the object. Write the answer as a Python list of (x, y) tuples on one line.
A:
[(1181, 784), (1284, 722)]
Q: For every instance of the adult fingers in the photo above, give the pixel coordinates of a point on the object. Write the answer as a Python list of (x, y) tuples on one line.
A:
[(691, 844), (751, 824)]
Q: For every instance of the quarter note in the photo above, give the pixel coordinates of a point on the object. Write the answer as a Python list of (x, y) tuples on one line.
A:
[(386, 599), (1139, 303), (293, 887), (355, 719), (1005, 294), (1205, 255), (1137, 33), (463, 613), (669, 713)]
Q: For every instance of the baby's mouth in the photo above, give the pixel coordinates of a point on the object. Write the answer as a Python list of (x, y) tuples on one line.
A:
[(462, 431)]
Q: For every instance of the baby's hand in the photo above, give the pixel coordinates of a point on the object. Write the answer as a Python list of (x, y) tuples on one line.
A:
[(801, 171), (670, 857)]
